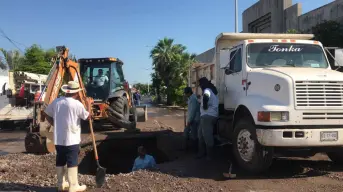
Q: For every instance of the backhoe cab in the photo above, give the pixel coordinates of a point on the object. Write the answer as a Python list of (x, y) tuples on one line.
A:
[(104, 81)]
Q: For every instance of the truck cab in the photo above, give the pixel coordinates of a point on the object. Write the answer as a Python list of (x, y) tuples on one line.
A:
[(278, 92)]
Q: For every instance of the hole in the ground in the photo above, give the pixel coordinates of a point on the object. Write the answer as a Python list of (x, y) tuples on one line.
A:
[(118, 155)]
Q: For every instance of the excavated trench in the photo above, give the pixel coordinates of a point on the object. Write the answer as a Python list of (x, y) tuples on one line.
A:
[(117, 155)]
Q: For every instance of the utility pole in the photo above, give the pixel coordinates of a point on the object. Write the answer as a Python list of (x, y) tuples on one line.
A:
[(148, 88), (236, 16)]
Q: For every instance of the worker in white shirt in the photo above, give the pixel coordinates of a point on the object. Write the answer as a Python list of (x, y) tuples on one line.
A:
[(65, 113), (100, 79), (208, 117)]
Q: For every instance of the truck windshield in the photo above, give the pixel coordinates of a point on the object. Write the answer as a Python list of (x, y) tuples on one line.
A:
[(260, 55)]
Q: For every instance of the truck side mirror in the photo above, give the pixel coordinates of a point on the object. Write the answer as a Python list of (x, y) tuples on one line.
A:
[(228, 71)]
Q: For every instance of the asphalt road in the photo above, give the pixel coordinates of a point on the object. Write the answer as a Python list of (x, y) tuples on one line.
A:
[(12, 141)]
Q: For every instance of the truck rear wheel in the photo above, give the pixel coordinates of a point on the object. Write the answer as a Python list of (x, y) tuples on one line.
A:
[(121, 105), (248, 152)]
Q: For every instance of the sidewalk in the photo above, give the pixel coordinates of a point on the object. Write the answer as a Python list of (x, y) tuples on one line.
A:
[(171, 107)]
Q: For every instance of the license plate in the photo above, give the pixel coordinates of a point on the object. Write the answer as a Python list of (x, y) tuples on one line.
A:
[(329, 136)]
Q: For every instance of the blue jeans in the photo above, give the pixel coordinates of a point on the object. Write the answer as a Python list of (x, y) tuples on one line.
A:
[(191, 132), (137, 102), (67, 155), (206, 127)]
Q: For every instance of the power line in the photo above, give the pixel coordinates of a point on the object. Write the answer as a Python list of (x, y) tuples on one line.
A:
[(10, 40), (17, 42)]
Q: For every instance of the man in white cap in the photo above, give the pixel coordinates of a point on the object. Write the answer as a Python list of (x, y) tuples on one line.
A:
[(65, 113)]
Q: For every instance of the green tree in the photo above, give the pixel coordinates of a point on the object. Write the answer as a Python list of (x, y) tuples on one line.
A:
[(50, 53), (37, 60), (181, 63), (143, 88), (329, 33), (292, 31), (156, 85), (171, 63), (11, 59)]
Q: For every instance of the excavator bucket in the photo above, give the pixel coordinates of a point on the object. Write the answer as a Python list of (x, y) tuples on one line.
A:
[(142, 113), (39, 139)]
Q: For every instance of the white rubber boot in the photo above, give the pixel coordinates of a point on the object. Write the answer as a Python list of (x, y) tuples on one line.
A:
[(62, 185), (73, 181)]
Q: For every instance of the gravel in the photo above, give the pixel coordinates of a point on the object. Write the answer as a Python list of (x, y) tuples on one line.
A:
[(27, 172)]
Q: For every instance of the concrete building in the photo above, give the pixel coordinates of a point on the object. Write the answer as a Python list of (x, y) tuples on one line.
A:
[(277, 16), (269, 16), (203, 68)]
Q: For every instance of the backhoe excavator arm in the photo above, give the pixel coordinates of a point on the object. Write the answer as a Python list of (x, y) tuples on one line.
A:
[(39, 139), (64, 70)]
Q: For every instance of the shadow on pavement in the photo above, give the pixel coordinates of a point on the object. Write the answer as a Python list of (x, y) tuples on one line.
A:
[(188, 166), (6, 140), (118, 152), (24, 187)]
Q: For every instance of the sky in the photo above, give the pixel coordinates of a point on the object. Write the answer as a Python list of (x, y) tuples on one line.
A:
[(126, 29)]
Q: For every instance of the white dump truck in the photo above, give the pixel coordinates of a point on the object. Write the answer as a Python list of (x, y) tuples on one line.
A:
[(277, 93), (13, 112)]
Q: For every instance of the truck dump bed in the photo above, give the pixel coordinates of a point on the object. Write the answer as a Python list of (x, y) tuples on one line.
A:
[(9, 113)]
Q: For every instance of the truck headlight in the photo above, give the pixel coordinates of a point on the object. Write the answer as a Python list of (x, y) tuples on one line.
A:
[(269, 116)]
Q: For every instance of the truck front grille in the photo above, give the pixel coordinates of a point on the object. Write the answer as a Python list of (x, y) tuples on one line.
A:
[(323, 116), (318, 94)]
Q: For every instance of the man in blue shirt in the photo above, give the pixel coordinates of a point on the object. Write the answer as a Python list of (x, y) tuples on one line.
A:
[(137, 98), (143, 161), (193, 117)]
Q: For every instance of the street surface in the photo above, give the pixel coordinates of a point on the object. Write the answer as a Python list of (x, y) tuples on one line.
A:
[(181, 173)]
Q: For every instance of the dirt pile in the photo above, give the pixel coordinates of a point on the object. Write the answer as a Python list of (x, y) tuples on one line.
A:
[(27, 172), (117, 153)]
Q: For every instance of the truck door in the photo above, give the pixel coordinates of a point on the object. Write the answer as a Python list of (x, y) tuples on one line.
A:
[(233, 79)]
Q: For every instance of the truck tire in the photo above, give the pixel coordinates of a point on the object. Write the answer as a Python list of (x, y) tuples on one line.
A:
[(336, 157), (121, 105), (248, 152)]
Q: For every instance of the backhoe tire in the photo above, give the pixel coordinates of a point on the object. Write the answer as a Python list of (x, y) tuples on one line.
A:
[(121, 105), (248, 152)]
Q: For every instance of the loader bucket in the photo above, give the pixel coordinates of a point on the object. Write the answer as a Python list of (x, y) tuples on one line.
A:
[(142, 113)]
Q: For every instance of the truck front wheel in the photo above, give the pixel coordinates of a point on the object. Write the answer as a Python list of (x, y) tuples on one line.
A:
[(248, 152)]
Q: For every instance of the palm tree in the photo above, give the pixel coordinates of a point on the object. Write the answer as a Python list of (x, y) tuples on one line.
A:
[(10, 59), (156, 83), (163, 57)]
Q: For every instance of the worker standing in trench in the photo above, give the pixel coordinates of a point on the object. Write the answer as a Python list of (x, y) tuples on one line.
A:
[(143, 161), (64, 113), (193, 118), (208, 117)]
